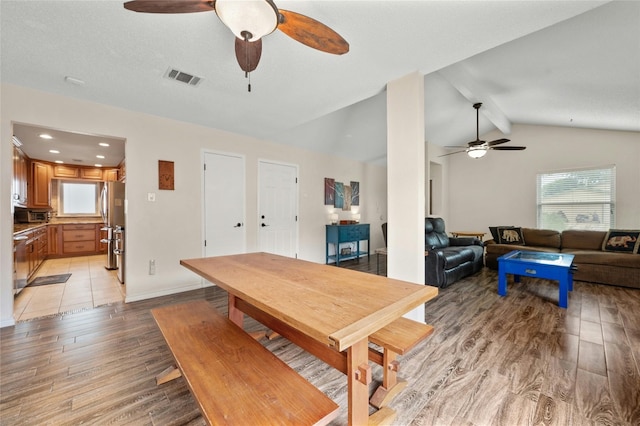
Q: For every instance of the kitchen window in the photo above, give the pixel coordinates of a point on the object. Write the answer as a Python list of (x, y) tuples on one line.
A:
[(577, 199), (78, 198)]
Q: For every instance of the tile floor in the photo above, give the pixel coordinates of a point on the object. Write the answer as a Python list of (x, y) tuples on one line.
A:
[(89, 285)]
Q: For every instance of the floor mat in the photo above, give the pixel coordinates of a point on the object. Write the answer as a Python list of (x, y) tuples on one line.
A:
[(50, 279)]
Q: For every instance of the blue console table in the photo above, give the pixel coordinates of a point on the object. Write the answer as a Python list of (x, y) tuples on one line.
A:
[(337, 234)]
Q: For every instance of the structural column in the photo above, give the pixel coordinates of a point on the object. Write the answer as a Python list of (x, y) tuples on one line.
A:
[(406, 181)]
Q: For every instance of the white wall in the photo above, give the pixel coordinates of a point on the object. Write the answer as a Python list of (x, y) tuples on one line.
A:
[(500, 188), (170, 228)]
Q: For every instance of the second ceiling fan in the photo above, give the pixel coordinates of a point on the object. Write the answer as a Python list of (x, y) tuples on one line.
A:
[(250, 20), (478, 148)]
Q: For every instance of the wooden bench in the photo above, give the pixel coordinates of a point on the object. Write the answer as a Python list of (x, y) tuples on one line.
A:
[(397, 338), (233, 378)]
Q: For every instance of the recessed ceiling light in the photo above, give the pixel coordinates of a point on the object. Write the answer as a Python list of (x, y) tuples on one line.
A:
[(103, 144), (54, 151), (59, 161), (46, 136), (98, 165), (100, 156)]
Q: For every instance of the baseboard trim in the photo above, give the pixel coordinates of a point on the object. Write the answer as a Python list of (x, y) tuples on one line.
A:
[(167, 292), (8, 322)]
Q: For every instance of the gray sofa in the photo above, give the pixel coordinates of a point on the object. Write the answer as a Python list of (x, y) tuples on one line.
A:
[(594, 264)]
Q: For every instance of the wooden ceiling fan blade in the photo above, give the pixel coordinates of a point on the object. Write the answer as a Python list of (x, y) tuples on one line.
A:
[(498, 142), (508, 148), (170, 6), (312, 33), (248, 53)]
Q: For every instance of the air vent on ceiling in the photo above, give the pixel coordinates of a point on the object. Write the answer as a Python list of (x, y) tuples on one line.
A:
[(174, 74)]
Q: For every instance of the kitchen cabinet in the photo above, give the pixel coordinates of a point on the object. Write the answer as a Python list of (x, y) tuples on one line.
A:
[(36, 249), (20, 176), (90, 173), (54, 240), (64, 171), (122, 173), (39, 186), (79, 238), (111, 175)]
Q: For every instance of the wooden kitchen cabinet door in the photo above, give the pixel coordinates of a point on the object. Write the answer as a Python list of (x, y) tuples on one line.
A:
[(39, 187)]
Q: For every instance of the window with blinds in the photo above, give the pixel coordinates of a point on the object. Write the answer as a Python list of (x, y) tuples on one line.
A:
[(577, 199)]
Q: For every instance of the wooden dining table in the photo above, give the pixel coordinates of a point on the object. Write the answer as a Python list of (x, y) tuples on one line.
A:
[(328, 311)]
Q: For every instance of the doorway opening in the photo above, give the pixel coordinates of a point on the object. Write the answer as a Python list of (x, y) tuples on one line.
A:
[(68, 238)]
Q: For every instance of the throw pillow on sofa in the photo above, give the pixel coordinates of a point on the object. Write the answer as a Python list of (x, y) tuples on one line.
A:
[(622, 241), (510, 235), (494, 231)]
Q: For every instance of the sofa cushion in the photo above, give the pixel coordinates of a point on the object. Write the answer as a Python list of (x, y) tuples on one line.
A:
[(621, 241), (582, 239), (455, 256), (604, 258), (542, 237), (500, 249), (510, 236)]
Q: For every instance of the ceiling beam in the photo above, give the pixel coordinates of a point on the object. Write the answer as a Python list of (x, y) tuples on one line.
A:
[(461, 79)]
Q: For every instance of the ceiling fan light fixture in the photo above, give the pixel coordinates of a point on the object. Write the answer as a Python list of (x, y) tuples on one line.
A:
[(477, 152), (256, 18)]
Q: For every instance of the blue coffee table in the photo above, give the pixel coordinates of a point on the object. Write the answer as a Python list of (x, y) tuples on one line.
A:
[(551, 266)]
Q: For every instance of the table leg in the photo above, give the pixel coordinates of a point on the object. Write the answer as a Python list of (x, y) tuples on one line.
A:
[(563, 297), (358, 388), (570, 275), (502, 283), (235, 314)]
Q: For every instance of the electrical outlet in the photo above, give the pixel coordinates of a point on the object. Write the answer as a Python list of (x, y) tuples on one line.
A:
[(152, 267), (151, 196)]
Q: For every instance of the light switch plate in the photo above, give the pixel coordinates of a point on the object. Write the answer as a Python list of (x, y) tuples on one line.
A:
[(151, 196)]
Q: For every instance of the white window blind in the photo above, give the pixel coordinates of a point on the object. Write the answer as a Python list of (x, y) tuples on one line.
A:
[(577, 199)]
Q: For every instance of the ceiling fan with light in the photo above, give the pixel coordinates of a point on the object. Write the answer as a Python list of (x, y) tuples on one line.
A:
[(478, 148), (250, 20)]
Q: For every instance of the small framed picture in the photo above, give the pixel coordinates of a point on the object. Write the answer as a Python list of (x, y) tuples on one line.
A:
[(165, 175)]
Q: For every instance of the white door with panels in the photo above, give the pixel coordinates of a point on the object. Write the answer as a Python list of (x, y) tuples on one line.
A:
[(224, 204), (278, 208)]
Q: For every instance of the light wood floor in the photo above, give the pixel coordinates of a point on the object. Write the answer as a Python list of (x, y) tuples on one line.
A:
[(90, 285), (517, 360)]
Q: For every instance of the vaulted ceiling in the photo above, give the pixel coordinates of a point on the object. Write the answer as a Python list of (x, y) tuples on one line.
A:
[(570, 63)]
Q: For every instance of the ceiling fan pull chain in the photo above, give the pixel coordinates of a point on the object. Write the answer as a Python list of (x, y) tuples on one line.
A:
[(247, 74)]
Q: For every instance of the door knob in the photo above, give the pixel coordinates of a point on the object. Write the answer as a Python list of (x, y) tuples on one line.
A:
[(238, 225), (263, 225)]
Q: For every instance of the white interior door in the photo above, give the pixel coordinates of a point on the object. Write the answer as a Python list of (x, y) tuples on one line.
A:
[(224, 204), (278, 208)]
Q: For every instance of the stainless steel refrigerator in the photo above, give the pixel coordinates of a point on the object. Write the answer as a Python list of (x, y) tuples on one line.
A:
[(112, 211)]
